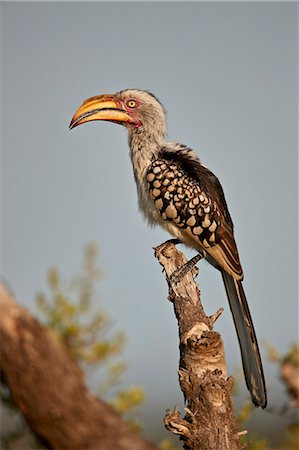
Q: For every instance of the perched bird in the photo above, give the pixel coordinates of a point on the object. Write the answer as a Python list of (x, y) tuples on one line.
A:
[(180, 194)]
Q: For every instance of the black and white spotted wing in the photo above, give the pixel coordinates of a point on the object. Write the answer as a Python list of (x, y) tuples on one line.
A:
[(194, 202)]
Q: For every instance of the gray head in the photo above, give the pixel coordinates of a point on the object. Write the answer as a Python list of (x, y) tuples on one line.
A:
[(140, 111)]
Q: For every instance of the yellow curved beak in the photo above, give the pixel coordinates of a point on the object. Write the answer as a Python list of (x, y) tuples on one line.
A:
[(101, 107)]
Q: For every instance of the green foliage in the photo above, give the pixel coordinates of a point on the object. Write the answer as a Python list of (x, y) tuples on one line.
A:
[(259, 444), (166, 444), (72, 311), (292, 357), (128, 399), (250, 442), (292, 437), (245, 412)]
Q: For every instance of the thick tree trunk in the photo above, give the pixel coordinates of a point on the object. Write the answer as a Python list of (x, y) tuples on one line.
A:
[(209, 423), (48, 387)]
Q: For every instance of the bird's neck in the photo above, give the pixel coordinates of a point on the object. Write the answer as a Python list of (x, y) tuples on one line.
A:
[(145, 146)]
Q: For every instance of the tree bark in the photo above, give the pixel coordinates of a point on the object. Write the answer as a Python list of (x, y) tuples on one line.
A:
[(48, 387), (209, 422)]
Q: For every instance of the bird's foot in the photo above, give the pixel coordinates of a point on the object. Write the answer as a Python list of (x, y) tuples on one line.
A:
[(167, 243), (177, 275)]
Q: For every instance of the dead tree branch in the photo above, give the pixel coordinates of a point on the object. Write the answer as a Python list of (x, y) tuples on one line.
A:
[(209, 422), (48, 387)]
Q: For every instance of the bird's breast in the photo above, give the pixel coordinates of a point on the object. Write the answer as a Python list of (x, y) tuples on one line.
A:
[(153, 217), (146, 204)]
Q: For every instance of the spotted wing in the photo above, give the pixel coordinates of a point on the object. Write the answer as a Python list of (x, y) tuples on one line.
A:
[(193, 201)]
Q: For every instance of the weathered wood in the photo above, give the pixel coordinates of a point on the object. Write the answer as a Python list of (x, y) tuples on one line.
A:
[(209, 422), (48, 387)]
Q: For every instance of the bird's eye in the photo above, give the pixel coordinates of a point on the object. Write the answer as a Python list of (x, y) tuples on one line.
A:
[(131, 104)]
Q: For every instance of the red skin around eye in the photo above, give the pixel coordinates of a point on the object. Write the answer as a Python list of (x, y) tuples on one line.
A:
[(132, 111)]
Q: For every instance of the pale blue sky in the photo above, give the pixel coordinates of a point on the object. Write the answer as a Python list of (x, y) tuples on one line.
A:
[(227, 75)]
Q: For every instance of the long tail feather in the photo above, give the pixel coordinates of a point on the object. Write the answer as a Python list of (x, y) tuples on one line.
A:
[(251, 359)]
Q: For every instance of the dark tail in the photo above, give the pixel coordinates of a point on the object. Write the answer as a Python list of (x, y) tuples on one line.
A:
[(251, 359)]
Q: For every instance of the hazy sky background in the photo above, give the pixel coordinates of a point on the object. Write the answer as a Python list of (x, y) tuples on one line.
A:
[(227, 75)]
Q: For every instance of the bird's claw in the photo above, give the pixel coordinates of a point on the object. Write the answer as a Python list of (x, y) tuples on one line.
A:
[(167, 243), (175, 278)]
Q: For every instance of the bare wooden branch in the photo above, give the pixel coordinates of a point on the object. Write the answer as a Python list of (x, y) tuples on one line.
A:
[(48, 387), (209, 422)]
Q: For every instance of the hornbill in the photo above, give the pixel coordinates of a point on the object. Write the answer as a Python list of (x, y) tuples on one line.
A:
[(176, 191)]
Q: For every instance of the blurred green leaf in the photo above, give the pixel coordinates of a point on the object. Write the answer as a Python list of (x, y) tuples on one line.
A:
[(73, 312)]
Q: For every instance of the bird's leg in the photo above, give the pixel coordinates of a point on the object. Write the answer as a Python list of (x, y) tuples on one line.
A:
[(176, 277)]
